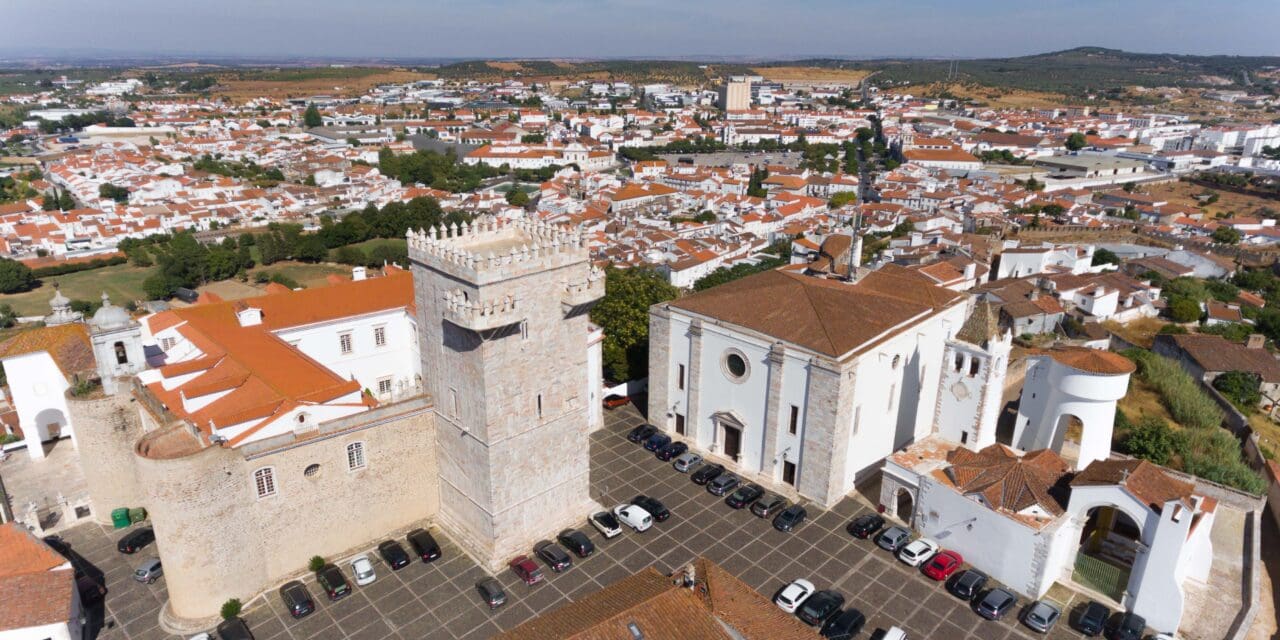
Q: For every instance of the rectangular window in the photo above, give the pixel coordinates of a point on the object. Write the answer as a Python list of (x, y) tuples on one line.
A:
[(344, 343), (795, 420), (680, 377), (384, 386), (379, 336), (680, 424), (539, 405), (166, 344), (964, 437), (959, 362), (974, 365), (265, 481), (355, 456)]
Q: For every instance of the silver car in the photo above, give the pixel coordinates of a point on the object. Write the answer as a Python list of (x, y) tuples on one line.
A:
[(149, 571), (1041, 616), (685, 462)]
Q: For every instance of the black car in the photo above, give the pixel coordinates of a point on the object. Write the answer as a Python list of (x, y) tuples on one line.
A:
[(865, 526), (491, 592), (844, 625), (296, 599), (335, 584), (769, 505), (706, 473), (423, 544), (577, 542), (967, 584), (722, 484), (996, 603), (672, 450), (1093, 618), (821, 605), (641, 433), (657, 441), (553, 555), (394, 554), (789, 518), (234, 629), (654, 506), (744, 496), (136, 540), (1129, 627)]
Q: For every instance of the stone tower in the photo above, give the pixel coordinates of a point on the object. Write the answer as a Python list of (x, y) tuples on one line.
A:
[(974, 366), (117, 344), (502, 322)]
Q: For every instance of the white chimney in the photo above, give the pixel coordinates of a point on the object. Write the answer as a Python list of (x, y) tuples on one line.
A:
[(970, 270), (358, 273)]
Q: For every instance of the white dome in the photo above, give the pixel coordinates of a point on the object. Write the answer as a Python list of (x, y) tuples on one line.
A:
[(110, 316)]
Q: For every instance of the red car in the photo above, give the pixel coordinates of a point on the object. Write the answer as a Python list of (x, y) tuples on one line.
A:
[(614, 401), (527, 569), (943, 565)]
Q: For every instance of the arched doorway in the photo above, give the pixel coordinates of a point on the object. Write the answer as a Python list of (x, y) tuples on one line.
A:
[(50, 424), (904, 506), (1066, 437), (1109, 544)]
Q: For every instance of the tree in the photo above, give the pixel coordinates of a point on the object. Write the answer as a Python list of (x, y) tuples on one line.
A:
[(15, 276), (113, 192), (65, 201), (1151, 439), (623, 313), (1183, 309), (311, 117), (1105, 256), (517, 197), (231, 608), (316, 563), (1241, 388), (1226, 235), (1076, 142)]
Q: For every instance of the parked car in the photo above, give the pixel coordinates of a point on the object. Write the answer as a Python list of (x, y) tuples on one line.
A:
[(844, 625), (654, 506), (423, 544), (149, 571), (1129, 627), (722, 484), (577, 542), (335, 584), (393, 554), (916, 552), (672, 450), (744, 495), (641, 433), (632, 516), (1041, 616), (893, 538), (941, 566), (526, 569), (865, 526), (491, 593), (996, 603), (234, 629), (362, 569), (605, 523), (706, 473), (968, 584), (769, 505), (820, 606), (793, 595), (613, 401), (135, 540), (657, 441), (685, 462), (789, 518), (554, 555), (296, 599), (894, 633), (1093, 618)]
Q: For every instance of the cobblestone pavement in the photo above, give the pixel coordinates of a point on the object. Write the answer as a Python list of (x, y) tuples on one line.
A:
[(438, 600)]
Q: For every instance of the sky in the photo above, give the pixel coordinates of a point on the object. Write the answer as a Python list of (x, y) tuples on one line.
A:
[(636, 28)]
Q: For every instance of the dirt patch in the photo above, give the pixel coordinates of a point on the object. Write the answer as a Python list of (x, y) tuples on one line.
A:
[(506, 66), (355, 83), (1185, 193), (994, 97), (1141, 332), (811, 74)]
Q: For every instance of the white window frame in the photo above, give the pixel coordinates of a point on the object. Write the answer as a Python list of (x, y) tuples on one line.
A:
[(264, 482), (380, 336), (346, 346), (387, 380), (356, 459)]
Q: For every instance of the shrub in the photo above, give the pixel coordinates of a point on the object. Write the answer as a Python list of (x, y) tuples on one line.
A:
[(1215, 456), (1241, 388), (1184, 309), (1179, 392), (316, 563), (231, 608), (1150, 439)]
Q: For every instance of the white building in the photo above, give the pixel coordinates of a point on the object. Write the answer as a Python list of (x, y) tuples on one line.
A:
[(1018, 262)]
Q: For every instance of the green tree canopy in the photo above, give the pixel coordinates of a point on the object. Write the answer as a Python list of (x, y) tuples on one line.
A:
[(1241, 388), (311, 117), (15, 276), (1226, 235), (623, 314), (1076, 142)]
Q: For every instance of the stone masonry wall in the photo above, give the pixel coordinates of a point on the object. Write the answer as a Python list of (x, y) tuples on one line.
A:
[(106, 430)]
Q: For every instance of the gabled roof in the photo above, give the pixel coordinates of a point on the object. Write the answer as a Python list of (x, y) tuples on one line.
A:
[(1008, 482), (1143, 480)]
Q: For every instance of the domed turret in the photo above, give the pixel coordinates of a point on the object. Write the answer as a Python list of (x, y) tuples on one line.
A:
[(109, 316), (62, 313)]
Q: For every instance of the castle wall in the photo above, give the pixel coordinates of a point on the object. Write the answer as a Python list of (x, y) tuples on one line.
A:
[(219, 540), (107, 427)]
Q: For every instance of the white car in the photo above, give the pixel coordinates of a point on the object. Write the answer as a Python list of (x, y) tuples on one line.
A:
[(894, 633), (634, 517), (917, 551), (200, 636), (363, 570), (793, 595), (606, 524)]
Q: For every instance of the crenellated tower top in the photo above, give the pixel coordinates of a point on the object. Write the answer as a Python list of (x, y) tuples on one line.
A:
[(490, 249)]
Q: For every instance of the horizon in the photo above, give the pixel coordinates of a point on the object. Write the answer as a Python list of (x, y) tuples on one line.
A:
[(629, 29)]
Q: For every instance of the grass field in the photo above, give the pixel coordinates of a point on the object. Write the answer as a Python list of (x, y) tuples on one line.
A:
[(306, 274), (370, 245), (122, 282), (291, 84), (1143, 400), (994, 97)]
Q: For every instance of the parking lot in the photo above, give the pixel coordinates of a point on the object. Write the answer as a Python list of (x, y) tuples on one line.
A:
[(438, 600)]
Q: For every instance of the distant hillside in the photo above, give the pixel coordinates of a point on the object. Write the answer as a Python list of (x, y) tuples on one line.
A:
[(1070, 71), (635, 71)]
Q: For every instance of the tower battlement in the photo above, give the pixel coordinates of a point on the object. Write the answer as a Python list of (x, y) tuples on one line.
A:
[(489, 249)]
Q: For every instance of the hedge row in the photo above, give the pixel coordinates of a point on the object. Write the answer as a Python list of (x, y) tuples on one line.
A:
[(74, 267)]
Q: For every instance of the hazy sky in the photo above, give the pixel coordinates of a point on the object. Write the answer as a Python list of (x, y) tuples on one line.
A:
[(586, 28)]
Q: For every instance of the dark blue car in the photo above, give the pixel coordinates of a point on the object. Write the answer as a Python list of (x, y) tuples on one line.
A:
[(657, 441)]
